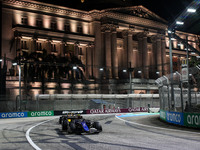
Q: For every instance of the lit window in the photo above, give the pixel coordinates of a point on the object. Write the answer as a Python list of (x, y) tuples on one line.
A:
[(67, 28), (24, 45), (24, 21), (53, 26), (79, 29), (38, 46), (39, 23), (53, 47)]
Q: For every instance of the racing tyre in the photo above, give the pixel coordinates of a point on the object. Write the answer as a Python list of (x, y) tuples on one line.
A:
[(60, 120), (72, 127), (65, 125), (97, 126)]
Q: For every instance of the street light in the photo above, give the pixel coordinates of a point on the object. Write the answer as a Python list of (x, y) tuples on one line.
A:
[(15, 64), (191, 10), (101, 69), (74, 67), (124, 70), (179, 23)]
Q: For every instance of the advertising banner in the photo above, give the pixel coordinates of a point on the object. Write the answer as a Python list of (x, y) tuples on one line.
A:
[(192, 120), (107, 111), (175, 117), (63, 112), (13, 115), (163, 115), (40, 113)]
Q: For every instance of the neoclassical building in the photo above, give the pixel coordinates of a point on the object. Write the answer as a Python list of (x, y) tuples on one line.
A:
[(113, 44)]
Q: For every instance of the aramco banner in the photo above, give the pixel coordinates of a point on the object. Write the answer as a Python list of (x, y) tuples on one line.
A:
[(163, 115), (13, 115), (175, 118), (40, 113), (192, 120)]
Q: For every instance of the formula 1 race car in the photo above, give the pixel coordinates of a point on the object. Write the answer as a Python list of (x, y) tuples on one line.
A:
[(75, 123)]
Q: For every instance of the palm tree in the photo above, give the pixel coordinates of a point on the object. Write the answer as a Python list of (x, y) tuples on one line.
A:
[(42, 66)]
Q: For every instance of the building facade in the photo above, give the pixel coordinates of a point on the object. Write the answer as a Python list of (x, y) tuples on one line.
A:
[(113, 44)]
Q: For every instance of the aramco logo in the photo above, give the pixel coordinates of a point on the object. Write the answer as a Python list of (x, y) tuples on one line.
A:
[(193, 119)]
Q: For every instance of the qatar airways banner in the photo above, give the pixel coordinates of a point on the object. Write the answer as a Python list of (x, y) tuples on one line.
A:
[(108, 111)]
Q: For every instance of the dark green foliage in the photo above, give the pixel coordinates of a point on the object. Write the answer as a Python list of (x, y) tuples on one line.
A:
[(45, 67)]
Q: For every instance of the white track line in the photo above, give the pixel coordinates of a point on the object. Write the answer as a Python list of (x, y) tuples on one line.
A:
[(28, 136), (155, 127)]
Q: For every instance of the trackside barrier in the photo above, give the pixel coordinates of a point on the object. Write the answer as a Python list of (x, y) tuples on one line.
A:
[(13, 115), (56, 113), (183, 119), (26, 114)]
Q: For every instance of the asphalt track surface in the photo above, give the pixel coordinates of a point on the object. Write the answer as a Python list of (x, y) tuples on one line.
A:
[(144, 132)]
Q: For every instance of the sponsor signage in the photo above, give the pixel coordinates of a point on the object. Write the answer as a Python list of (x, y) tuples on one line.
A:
[(40, 113), (192, 119), (163, 115), (184, 73), (175, 117), (14, 115), (107, 111), (63, 112)]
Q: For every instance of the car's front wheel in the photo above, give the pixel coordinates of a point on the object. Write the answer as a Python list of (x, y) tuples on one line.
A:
[(65, 125)]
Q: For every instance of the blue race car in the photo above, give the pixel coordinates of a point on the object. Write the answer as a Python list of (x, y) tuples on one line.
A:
[(75, 123)]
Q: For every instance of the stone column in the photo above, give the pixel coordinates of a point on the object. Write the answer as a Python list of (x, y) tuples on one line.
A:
[(159, 54), (143, 54), (97, 48), (48, 46), (88, 61), (130, 47), (153, 67), (125, 50), (145, 58), (76, 49), (164, 60), (33, 45), (114, 54), (62, 47), (18, 43), (108, 53)]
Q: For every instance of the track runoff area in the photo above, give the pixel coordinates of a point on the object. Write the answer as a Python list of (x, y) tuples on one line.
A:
[(127, 119)]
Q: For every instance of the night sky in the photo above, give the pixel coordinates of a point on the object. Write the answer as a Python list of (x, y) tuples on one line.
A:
[(167, 9)]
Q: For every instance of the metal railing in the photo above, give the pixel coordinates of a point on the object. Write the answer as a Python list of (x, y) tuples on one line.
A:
[(81, 102)]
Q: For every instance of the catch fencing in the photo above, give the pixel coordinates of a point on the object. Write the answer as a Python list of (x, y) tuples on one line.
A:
[(176, 95), (45, 102)]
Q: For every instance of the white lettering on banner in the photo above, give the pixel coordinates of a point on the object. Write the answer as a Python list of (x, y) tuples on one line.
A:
[(162, 115), (43, 113), (134, 109), (174, 117), (106, 111), (12, 115), (79, 112), (194, 119)]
